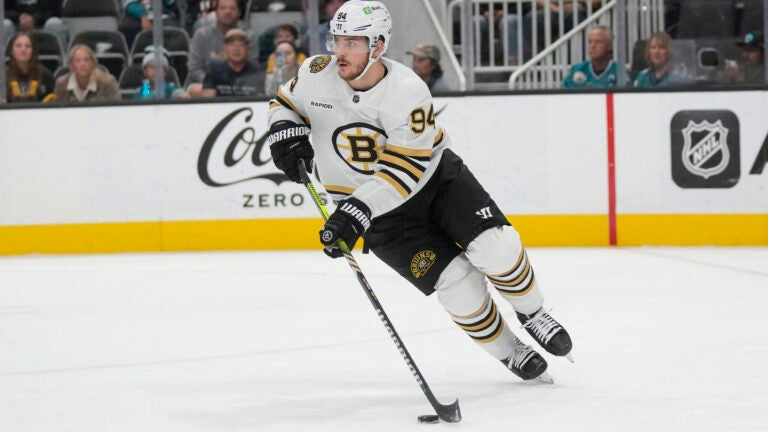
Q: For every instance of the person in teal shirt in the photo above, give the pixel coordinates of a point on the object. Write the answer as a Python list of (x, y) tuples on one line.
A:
[(660, 71), (600, 69), (149, 66)]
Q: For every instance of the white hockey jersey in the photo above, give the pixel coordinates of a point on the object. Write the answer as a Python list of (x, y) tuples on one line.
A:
[(381, 145)]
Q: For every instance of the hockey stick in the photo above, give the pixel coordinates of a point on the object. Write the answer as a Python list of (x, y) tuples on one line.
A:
[(449, 413)]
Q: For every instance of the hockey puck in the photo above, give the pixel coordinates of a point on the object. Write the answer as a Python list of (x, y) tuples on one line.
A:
[(429, 418)]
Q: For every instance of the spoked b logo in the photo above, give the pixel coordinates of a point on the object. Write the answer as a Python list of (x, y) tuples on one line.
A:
[(705, 149)]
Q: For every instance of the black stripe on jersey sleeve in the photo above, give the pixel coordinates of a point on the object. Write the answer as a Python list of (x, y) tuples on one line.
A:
[(396, 179)]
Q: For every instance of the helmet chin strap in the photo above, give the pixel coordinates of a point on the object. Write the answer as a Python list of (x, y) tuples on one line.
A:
[(371, 61)]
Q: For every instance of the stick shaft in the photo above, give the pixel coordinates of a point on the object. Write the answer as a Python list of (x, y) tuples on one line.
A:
[(450, 412)]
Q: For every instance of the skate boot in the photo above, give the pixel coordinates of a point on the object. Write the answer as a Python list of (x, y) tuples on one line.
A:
[(527, 363), (547, 332)]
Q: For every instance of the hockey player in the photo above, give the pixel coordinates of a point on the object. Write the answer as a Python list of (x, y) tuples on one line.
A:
[(381, 156)]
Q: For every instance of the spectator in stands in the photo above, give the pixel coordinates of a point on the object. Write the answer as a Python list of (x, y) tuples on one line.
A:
[(208, 41), (235, 76), (200, 13), (320, 31), (149, 66), (600, 69), (283, 70), (659, 72), (285, 33), (85, 81), (426, 64), (26, 78), (138, 16), (751, 67), (28, 15)]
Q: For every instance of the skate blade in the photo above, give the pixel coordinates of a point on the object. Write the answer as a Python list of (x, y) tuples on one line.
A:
[(544, 378)]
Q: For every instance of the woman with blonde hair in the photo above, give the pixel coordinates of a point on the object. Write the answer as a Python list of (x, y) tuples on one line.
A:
[(27, 80), (659, 72), (85, 81)]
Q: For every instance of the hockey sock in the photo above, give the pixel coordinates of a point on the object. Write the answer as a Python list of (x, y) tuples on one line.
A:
[(499, 254), (463, 293)]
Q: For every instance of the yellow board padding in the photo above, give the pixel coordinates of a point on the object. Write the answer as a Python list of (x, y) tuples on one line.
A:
[(562, 230), (692, 229), (301, 234), (266, 234)]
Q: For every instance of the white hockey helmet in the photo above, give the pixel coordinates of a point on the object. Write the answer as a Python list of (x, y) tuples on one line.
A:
[(363, 18)]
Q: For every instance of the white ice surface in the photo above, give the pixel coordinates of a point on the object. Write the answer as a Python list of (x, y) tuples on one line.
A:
[(665, 339)]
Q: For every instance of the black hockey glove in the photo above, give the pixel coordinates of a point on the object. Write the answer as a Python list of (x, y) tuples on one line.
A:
[(288, 143), (350, 220)]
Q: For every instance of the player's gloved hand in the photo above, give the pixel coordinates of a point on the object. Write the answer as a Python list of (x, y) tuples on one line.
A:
[(288, 143), (350, 220)]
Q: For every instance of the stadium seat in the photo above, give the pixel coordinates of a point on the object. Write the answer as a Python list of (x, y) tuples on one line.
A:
[(81, 15), (49, 49)]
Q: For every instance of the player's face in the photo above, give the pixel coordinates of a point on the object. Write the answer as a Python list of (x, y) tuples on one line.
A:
[(351, 55), (658, 53)]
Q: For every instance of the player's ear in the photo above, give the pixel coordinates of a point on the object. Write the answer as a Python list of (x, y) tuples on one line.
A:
[(379, 48)]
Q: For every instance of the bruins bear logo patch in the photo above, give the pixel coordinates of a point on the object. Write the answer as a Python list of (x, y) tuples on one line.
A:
[(422, 262), (319, 63)]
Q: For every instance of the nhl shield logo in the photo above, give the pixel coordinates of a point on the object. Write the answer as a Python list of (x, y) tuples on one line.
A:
[(705, 149)]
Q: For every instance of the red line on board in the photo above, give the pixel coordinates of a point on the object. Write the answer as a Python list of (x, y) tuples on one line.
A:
[(611, 172)]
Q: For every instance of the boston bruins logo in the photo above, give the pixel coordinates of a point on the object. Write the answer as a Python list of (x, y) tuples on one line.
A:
[(319, 63), (359, 145), (422, 262)]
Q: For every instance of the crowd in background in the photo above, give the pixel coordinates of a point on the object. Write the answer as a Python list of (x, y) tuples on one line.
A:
[(226, 57)]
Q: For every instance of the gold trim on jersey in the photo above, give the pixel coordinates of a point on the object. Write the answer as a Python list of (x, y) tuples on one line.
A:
[(439, 137), (288, 104), (395, 182), (319, 63), (338, 189), (412, 152), (399, 162)]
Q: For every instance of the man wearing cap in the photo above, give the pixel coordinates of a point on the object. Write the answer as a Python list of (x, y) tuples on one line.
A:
[(236, 75), (208, 41), (426, 64), (751, 67)]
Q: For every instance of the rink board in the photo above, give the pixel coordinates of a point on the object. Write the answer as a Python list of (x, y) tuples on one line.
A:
[(197, 176)]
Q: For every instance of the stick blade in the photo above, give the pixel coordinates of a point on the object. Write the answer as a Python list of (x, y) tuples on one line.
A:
[(449, 413)]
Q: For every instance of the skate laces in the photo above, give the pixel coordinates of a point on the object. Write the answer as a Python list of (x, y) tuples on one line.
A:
[(521, 355), (543, 326)]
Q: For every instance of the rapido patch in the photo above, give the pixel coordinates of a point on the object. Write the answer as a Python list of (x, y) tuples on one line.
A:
[(422, 262), (319, 63)]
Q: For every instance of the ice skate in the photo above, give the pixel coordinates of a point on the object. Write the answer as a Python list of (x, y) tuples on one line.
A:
[(527, 363), (548, 333)]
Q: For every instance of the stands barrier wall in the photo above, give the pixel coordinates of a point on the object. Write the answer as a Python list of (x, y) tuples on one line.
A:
[(589, 169)]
